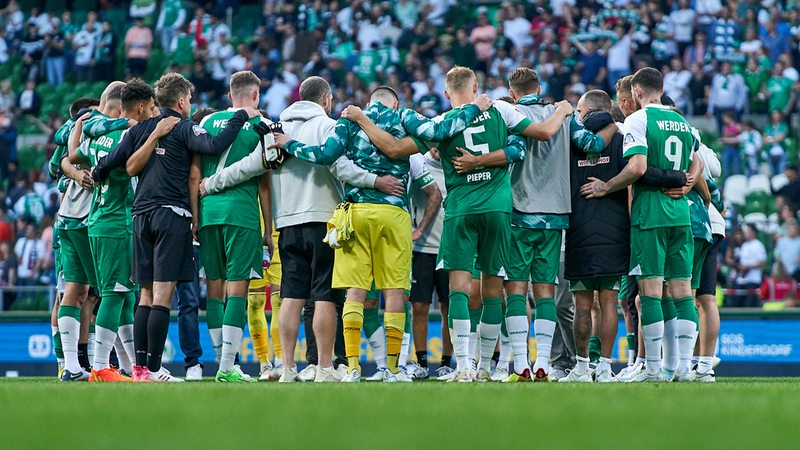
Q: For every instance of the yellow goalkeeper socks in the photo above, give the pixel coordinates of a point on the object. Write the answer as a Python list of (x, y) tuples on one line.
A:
[(393, 323), (257, 322), (353, 320), (275, 301)]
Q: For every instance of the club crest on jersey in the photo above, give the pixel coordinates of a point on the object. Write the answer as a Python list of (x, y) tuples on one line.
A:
[(198, 130), (628, 139)]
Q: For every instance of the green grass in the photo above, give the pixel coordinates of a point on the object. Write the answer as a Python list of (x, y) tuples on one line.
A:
[(737, 413)]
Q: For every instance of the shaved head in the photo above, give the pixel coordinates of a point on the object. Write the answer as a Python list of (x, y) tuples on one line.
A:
[(112, 93)]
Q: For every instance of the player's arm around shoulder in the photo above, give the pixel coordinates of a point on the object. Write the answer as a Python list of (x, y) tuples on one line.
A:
[(384, 141)]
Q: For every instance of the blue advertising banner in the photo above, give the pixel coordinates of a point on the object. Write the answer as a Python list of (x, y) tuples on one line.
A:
[(740, 340)]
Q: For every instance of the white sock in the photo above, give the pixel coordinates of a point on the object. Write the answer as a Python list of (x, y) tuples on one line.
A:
[(125, 334), (378, 344), (704, 364), (631, 357), (686, 335), (605, 364), (460, 338), (505, 352), (90, 348), (403, 358), (652, 335), (277, 362), (670, 345), (581, 364), (473, 345), (544, 330), (104, 341), (639, 360), (69, 328), (122, 355), (517, 327), (488, 337), (231, 343), (216, 341)]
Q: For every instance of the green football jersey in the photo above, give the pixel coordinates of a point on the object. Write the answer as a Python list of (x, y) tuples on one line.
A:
[(485, 189), (665, 137), (110, 214), (237, 205)]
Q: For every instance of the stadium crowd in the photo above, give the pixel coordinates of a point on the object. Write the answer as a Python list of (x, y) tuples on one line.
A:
[(713, 58)]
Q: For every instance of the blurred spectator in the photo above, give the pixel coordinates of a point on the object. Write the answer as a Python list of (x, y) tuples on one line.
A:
[(198, 27), (663, 45), (239, 61), (728, 93), (676, 83), (220, 51), (778, 90), (84, 44), (731, 158), (407, 12), (775, 134), (591, 65), (14, 23), (790, 193), (41, 20), (8, 101), (3, 47), (30, 253), (752, 43), (6, 229), (517, 28), (8, 145), (8, 273), (462, 51), (751, 142), (206, 89), (725, 35), (779, 285), (787, 249), (30, 205), (105, 55), (170, 20), (482, 37), (31, 48), (699, 52), (68, 29), (29, 101), (277, 97), (752, 256), (683, 20), (619, 55), (216, 31), (54, 43), (775, 42), (138, 44), (755, 77)]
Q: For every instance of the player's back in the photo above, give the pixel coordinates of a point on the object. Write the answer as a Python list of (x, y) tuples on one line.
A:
[(484, 189), (236, 205), (110, 214), (669, 144)]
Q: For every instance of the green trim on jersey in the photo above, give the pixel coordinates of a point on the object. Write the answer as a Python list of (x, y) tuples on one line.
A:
[(237, 205)]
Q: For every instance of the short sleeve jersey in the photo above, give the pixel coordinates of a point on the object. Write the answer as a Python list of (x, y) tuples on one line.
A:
[(237, 205), (665, 138), (110, 213), (486, 189)]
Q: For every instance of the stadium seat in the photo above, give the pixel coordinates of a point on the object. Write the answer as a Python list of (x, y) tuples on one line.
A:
[(757, 219), (758, 183), (735, 189), (779, 181), (55, 6), (756, 202)]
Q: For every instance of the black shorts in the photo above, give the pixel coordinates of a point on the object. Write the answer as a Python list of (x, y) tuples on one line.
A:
[(425, 278), (307, 264), (708, 273), (162, 247)]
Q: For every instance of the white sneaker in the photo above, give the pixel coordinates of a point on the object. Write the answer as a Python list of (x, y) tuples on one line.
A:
[(629, 373), (399, 377), (420, 373), (238, 368), (341, 369), (685, 377), (557, 374), (574, 377), (462, 376), (716, 362), (309, 373), (354, 376), (444, 373), (645, 376), (379, 375), (327, 375), (482, 376), (288, 375), (194, 373), (276, 372), (705, 377), (264, 371), (604, 376), (163, 376), (499, 374)]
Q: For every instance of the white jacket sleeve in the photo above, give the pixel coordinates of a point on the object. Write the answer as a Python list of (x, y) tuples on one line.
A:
[(248, 167), (349, 172)]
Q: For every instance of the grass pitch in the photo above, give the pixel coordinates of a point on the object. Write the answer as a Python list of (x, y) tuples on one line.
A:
[(735, 413)]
